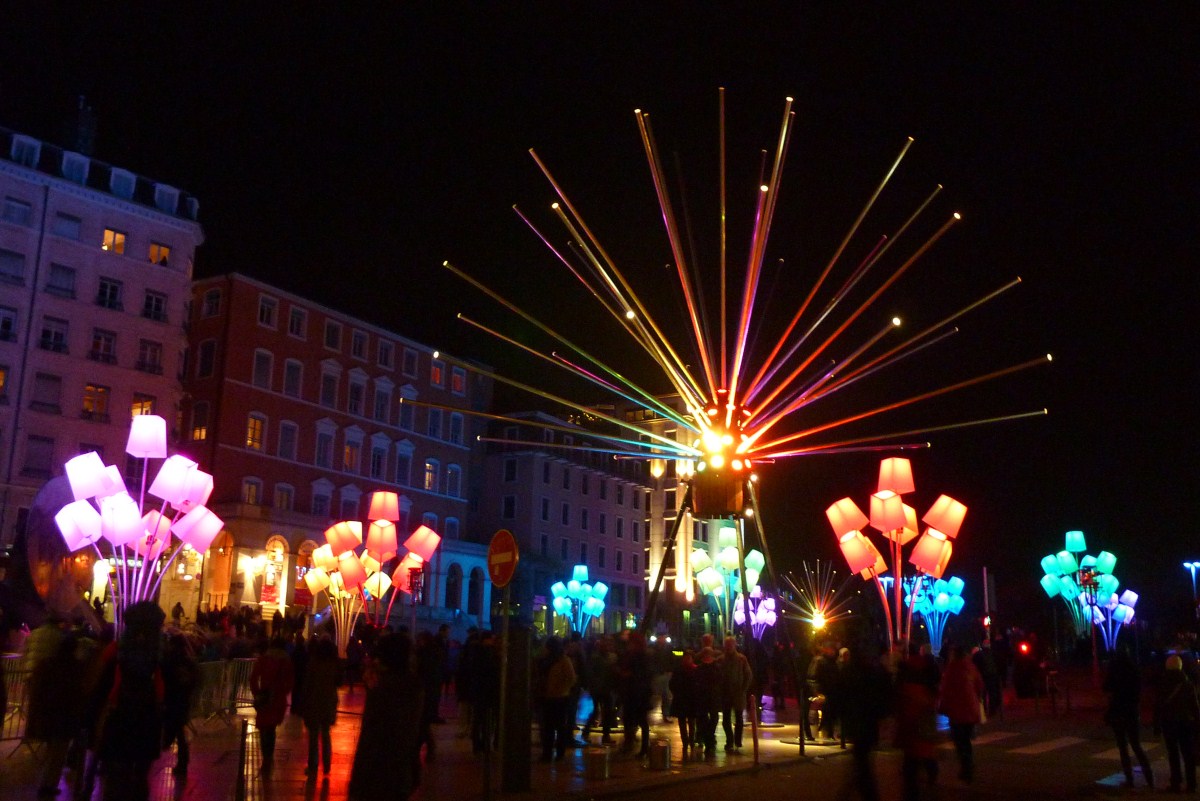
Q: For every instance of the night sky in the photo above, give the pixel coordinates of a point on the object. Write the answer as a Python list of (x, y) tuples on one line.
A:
[(344, 156)]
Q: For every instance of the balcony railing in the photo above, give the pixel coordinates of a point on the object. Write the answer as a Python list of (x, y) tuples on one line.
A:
[(103, 357), (95, 417)]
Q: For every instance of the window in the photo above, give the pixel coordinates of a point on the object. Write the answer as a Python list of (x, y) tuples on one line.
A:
[(354, 401), (104, 346), (12, 266), (603, 523), (26, 150), (17, 211), (456, 428), (293, 375), (545, 545), (159, 253), (404, 465), (95, 403), (349, 502), (264, 363), (604, 489), (636, 496), (437, 372), (510, 469), (583, 483), (620, 495), (635, 532), (8, 324), (620, 528), (268, 312), (324, 449), (378, 461), (410, 363), (358, 344), (154, 306), (39, 457), (333, 335), (565, 517), (583, 519), (114, 241), (600, 557), (251, 491), (351, 453), (386, 354), (109, 293), (450, 528), (619, 566), (408, 416), (633, 563), (200, 421), (383, 403), (54, 335), (289, 433), (142, 404), (298, 323), (583, 553), (3, 384), (508, 507), (47, 393), (211, 305), (206, 358), (67, 225), (320, 502), (546, 472), (454, 481), (545, 515), (564, 549), (329, 385), (61, 281), (435, 423), (256, 429), (566, 477), (430, 520), (431, 475), (285, 497), (458, 381)]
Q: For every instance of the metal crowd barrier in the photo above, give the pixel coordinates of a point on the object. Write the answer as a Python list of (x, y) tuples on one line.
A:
[(224, 689), (16, 686)]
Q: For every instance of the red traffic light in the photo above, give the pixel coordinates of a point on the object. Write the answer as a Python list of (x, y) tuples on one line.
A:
[(1023, 647)]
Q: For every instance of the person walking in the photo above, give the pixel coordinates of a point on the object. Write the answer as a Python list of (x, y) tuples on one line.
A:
[(685, 693), (602, 664), (736, 678), (1123, 683), (181, 680), (634, 674), (318, 702), (916, 726), (708, 703), (387, 763), (822, 676), (54, 704), (1177, 713), (557, 680), (270, 682), (962, 703)]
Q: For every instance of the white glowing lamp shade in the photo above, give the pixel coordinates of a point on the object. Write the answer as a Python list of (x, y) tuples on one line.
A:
[(887, 511), (1129, 598), (369, 562), (574, 589), (600, 590), (1068, 588), (859, 552), (739, 617), (562, 605), (196, 489), (112, 483), (423, 542), (120, 519), (377, 584), (956, 604), (381, 539), (336, 587), (755, 561), (710, 581), (1051, 584), (1122, 614), (700, 560), (593, 606), (941, 602), (79, 523), (198, 528), (727, 559), (157, 535), (895, 475), (344, 536), (385, 505), (316, 579), (171, 482), (580, 573), (352, 570), (147, 437), (927, 553), (727, 537), (324, 559), (946, 515), (844, 516), (85, 472), (1075, 542), (1108, 583)]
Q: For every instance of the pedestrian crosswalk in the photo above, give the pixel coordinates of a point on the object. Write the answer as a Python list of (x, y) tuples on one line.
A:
[(1019, 743)]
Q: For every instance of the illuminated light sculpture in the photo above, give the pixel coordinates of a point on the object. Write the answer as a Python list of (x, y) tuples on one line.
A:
[(761, 614), (897, 522), (936, 604), (818, 601), (103, 513), (579, 601), (724, 580), (742, 406)]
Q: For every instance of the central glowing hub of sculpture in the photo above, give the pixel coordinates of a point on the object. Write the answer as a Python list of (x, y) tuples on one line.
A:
[(723, 468)]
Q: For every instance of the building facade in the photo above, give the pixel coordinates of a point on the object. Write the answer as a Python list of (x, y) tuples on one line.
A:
[(300, 412), (95, 268), (566, 505)]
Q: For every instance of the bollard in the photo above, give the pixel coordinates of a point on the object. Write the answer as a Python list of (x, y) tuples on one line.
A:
[(660, 755), (595, 764)]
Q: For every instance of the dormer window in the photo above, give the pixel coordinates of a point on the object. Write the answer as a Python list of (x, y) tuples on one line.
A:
[(75, 167), (26, 150), (166, 198), (121, 183)]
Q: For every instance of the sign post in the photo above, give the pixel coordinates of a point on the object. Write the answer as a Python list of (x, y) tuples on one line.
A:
[(502, 559)]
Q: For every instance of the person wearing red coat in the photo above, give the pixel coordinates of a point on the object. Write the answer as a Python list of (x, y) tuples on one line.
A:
[(270, 681), (962, 701)]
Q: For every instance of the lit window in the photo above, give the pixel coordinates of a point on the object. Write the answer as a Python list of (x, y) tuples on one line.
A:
[(268, 309), (358, 344), (431, 475), (104, 346), (114, 241), (3, 383), (200, 421), (256, 428), (298, 323), (437, 373), (458, 381), (108, 294), (351, 453), (142, 404), (159, 253), (154, 307), (251, 491), (95, 403)]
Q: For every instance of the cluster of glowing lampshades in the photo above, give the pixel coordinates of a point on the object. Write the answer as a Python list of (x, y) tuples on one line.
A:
[(761, 612), (351, 576), (897, 522), (104, 513), (579, 601), (936, 604), (1087, 586), (722, 579)]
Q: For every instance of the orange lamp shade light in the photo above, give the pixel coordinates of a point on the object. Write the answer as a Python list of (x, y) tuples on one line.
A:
[(369, 562), (316, 579), (927, 554), (344, 536), (385, 505), (859, 552), (946, 515), (895, 475), (147, 437), (377, 584), (845, 517), (887, 511), (423, 542), (323, 558), (878, 569), (352, 570), (381, 538)]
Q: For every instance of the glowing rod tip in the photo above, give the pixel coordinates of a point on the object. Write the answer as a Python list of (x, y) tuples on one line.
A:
[(446, 263), (957, 216), (1049, 357), (554, 205), (896, 321), (762, 188)]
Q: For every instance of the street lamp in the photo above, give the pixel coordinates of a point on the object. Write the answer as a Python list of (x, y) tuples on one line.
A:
[(1191, 568), (103, 512)]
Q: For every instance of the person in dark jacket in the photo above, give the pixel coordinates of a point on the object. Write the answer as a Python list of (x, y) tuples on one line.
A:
[(1177, 713), (685, 692), (54, 704), (181, 680), (708, 704), (318, 702), (387, 763), (634, 675), (270, 681), (962, 701), (601, 673), (1124, 687)]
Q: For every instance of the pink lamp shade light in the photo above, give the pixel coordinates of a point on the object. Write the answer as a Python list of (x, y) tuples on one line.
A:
[(384, 506), (147, 437), (423, 542), (845, 517), (895, 475), (172, 480), (157, 536), (198, 528), (381, 538), (352, 570), (86, 475), (344, 536), (120, 519), (887, 511), (79, 523), (859, 552), (946, 515)]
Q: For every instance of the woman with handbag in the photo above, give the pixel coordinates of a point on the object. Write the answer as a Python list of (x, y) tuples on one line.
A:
[(270, 681)]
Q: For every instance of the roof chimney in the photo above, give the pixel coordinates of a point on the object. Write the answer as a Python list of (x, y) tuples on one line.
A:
[(81, 129)]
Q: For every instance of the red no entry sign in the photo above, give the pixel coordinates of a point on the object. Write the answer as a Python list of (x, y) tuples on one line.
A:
[(502, 557)]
